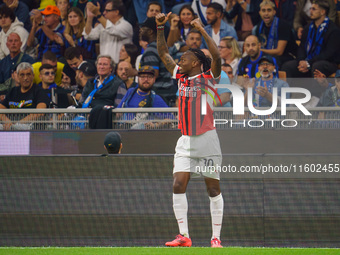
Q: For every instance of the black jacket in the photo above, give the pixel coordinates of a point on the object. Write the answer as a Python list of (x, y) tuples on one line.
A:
[(330, 49)]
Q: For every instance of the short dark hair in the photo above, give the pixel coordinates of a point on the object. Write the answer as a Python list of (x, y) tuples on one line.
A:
[(194, 31), (323, 4), (155, 3), (6, 12), (227, 65), (216, 6), (71, 53), (45, 66), (49, 55), (117, 5)]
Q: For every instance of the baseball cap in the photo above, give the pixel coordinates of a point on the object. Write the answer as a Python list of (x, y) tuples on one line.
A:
[(146, 69), (267, 58), (337, 74), (87, 68), (50, 9), (150, 23), (112, 142)]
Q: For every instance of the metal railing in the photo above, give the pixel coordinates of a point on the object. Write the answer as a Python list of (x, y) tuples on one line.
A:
[(166, 118)]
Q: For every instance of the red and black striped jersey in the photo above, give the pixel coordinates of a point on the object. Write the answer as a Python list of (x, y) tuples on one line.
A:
[(195, 103)]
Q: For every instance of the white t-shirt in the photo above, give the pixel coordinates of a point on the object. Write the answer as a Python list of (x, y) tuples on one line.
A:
[(216, 37)]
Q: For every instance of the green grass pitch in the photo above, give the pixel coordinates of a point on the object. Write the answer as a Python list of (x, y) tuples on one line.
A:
[(163, 250)]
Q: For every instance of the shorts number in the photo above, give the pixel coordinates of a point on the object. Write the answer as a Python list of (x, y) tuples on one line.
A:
[(208, 162)]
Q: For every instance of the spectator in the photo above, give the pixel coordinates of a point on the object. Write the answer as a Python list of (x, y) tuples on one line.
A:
[(163, 86), (194, 41), (216, 27), (200, 8), (230, 72), (247, 13), (84, 72), (47, 76), (113, 30), (263, 86), (73, 58), (124, 73), (74, 26), (113, 143), (21, 11), (319, 48), (9, 24), (140, 5), (58, 96), (143, 96), (28, 95), (129, 52), (331, 97), (9, 64), (302, 14), (103, 89), (224, 93), (276, 36), (180, 25), (153, 9), (49, 35), (63, 6), (248, 65), (61, 70), (230, 52)]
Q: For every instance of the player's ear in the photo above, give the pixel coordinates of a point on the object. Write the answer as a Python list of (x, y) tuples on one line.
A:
[(195, 63)]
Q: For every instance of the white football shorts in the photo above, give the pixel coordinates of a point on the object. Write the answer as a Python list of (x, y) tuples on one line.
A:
[(200, 155)]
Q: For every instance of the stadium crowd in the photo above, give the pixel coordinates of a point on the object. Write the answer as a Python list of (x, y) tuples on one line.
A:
[(76, 48)]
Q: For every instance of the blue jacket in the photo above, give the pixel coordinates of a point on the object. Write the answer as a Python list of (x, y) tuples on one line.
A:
[(225, 30)]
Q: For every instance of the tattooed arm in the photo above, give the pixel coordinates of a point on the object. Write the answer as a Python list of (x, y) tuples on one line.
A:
[(162, 47), (212, 47)]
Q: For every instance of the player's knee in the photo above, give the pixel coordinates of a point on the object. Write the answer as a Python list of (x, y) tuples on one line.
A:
[(213, 191), (178, 187)]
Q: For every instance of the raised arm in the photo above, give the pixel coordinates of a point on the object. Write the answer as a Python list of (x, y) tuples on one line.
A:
[(174, 34), (212, 47), (36, 20), (95, 10), (89, 19), (162, 47)]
